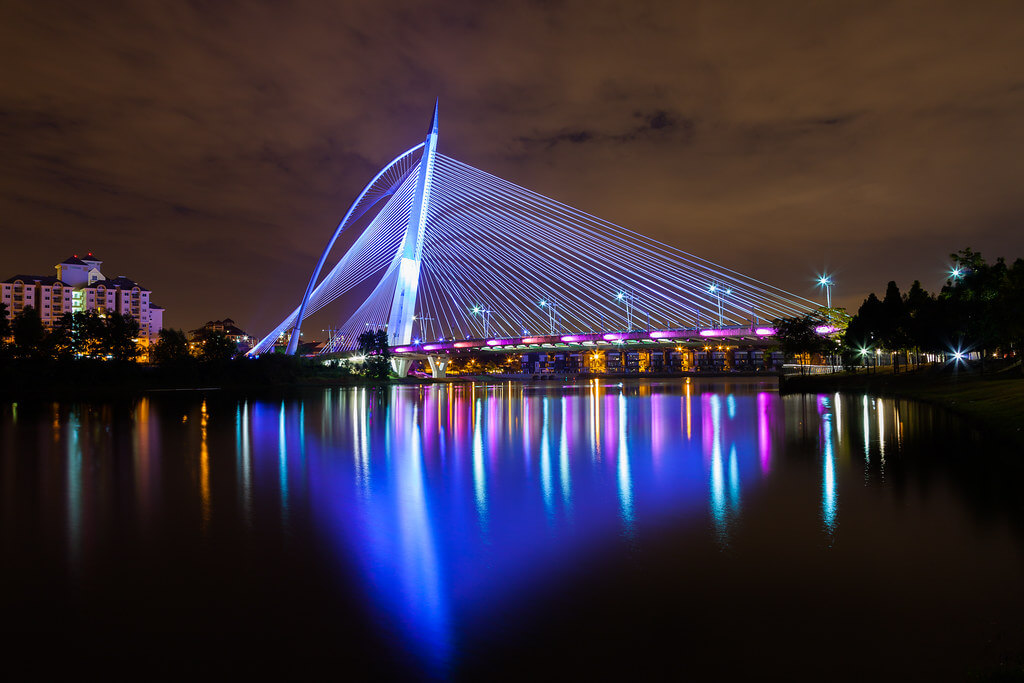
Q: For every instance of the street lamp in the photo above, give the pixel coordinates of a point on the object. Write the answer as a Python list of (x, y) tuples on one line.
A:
[(551, 307), (485, 312), (719, 292), (826, 282), (628, 298)]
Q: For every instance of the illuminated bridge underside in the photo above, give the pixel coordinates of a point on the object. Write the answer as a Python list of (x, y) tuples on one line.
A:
[(500, 262), (752, 336)]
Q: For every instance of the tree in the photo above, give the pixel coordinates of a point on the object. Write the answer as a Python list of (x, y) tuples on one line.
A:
[(215, 347), (121, 338), (374, 346), (60, 343), (798, 335), (5, 324), (171, 348), (973, 302), (28, 333), (921, 323), (892, 328), (89, 334), (5, 332), (1012, 305)]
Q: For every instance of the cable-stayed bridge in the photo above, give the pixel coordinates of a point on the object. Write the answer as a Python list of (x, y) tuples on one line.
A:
[(459, 258)]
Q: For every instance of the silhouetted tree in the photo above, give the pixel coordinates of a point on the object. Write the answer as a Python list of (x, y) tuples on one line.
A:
[(215, 347), (920, 320), (374, 346), (171, 348), (5, 324), (121, 338), (89, 334), (28, 331), (5, 332), (797, 336), (60, 342)]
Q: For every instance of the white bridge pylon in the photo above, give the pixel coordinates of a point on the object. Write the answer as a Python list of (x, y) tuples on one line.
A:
[(452, 252)]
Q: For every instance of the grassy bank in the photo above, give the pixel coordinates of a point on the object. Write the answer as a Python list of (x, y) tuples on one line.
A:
[(994, 400)]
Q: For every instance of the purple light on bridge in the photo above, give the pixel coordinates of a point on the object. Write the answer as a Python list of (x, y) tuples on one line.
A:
[(574, 338), (467, 344), (403, 349), (534, 340), (500, 342), (764, 331), (615, 336), (825, 329), (434, 347), (719, 333), (663, 335)]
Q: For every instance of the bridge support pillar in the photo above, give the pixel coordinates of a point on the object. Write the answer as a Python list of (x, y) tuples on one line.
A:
[(401, 365), (438, 365)]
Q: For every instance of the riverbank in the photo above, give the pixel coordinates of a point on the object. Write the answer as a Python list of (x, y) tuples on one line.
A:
[(83, 379), (993, 400), (93, 379)]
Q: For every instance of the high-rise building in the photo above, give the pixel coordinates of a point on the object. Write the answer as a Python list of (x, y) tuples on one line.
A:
[(80, 285)]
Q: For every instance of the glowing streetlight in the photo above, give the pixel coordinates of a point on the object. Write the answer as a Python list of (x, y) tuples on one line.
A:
[(628, 298), (551, 307), (484, 312), (826, 282)]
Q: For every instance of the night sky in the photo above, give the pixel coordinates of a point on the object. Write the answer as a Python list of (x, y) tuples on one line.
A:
[(208, 149)]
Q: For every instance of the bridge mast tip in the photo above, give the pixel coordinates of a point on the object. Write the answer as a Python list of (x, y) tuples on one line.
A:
[(433, 123)]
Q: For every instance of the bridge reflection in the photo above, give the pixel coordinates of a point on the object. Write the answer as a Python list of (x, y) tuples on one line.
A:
[(453, 499)]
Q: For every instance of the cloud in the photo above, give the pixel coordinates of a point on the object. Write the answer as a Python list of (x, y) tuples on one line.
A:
[(769, 137)]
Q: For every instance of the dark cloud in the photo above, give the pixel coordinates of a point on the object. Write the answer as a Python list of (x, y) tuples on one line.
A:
[(657, 123), (774, 138)]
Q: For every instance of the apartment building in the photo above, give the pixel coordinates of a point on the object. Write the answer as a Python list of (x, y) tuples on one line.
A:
[(80, 285)]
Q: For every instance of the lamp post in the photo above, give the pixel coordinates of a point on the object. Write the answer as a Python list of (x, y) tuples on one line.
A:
[(628, 298), (485, 313), (719, 292), (551, 307), (826, 282)]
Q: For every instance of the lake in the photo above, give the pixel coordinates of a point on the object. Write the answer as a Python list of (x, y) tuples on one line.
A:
[(670, 529)]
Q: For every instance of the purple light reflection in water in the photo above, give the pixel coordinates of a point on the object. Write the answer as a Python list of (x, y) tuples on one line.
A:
[(447, 519)]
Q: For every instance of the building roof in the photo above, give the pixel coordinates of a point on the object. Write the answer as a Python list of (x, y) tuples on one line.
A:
[(116, 282), (74, 261), (41, 279), (90, 257), (153, 305)]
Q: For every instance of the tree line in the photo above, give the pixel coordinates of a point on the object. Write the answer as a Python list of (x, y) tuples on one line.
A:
[(980, 309), (110, 336), (85, 334)]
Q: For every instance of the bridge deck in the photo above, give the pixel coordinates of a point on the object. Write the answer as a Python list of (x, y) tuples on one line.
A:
[(747, 335)]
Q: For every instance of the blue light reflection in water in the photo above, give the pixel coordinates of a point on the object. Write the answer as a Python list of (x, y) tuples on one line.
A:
[(828, 479), (387, 479)]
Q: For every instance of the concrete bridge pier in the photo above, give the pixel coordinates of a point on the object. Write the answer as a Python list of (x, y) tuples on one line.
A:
[(438, 365), (400, 365)]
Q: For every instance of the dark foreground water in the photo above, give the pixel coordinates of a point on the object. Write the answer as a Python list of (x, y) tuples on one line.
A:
[(684, 530)]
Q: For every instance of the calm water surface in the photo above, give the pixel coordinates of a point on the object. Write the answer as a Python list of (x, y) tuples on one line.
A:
[(680, 529)]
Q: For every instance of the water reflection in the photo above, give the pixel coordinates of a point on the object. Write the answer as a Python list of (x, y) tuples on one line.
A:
[(452, 501), (828, 479), (74, 490)]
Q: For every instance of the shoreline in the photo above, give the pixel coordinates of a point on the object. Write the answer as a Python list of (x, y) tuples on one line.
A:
[(90, 381), (994, 401)]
